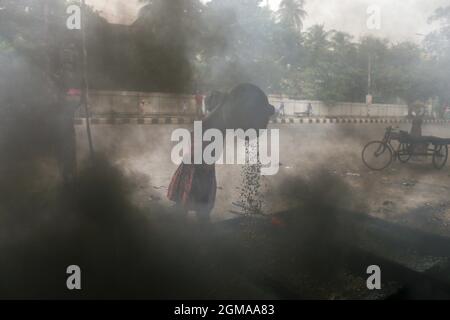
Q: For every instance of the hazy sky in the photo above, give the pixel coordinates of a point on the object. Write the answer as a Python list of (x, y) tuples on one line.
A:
[(400, 19)]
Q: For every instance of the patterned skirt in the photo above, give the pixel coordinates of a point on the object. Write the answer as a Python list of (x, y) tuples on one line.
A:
[(194, 187)]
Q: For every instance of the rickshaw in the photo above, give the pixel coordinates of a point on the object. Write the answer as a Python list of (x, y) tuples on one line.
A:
[(378, 155)]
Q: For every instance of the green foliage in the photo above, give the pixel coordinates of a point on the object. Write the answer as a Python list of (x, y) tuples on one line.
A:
[(292, 13), (5, 46), (438, 46), (241, 46), (187, 45)]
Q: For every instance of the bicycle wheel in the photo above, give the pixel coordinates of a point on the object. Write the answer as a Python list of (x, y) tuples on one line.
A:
[(404, 152), (440, 156), (377, 155)]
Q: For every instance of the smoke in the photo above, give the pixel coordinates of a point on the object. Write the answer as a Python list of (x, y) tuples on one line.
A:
[(123, 251), (306, 250), (127, 250), (117, 11), (45, 225), (400, 20)]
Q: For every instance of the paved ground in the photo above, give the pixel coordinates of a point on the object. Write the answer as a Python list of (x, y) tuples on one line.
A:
[(398, 218), (327, 219), (305, 150)]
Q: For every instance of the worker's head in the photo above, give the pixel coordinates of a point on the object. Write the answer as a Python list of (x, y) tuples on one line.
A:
[(418, 108)]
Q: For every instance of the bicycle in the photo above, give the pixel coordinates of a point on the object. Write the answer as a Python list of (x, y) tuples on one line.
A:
[(378, 155)]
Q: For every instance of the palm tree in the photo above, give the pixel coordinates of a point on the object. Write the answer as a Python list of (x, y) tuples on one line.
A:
[(292, 13), (317, 38), (341, 39), (317, 43)]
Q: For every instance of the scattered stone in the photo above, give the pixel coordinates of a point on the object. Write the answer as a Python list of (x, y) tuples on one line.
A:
[(351, 174), (387, 207), (388, 203), (385, 180), (409, 183), (154, 198)]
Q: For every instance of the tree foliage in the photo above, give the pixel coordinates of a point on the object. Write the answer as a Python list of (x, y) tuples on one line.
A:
[(292, 13), (187, 46)]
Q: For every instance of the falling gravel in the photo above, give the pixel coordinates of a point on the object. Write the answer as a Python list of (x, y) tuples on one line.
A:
[(250, 197)]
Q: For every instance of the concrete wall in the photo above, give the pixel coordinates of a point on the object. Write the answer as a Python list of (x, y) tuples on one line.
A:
[(140, 103), (151, 104), (342, 109)]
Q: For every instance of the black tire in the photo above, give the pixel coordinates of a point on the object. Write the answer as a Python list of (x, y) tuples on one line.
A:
[(377, 155), (404, 152), (440, 156)]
